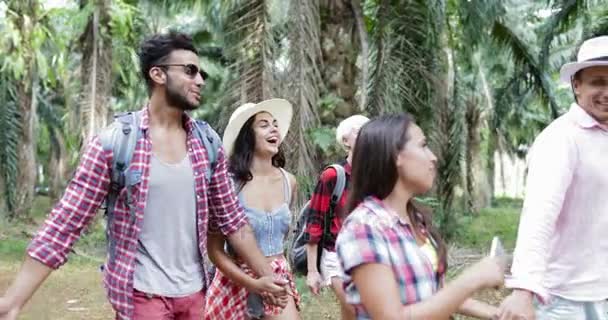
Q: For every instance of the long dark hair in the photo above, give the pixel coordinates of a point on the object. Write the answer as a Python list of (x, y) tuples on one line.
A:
[(242, 154), (374, 172)]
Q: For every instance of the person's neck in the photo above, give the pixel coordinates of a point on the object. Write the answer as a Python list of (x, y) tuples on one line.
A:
[(349, 158), (262, 165), (397, 201), (162, 115)]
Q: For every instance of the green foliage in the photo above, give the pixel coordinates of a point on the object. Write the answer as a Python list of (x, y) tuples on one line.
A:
[(505, 57), (478, 231), (324, 138)]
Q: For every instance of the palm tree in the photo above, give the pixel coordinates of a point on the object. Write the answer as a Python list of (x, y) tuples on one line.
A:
[(24, 58), (96, 46)]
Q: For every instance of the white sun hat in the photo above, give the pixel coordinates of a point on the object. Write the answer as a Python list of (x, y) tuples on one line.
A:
[(593, 52), (280, 109)]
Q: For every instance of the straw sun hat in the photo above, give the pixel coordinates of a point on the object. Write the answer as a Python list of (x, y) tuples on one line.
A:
[(280, 109)]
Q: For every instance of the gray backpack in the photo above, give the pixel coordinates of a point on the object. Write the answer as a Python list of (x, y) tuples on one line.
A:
[(121, 137)]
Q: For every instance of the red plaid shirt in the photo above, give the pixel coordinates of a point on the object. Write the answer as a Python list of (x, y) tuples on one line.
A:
[(216, 204), (320, 205)]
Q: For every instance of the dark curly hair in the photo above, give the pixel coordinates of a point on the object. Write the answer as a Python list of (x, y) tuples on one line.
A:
[(157, 48)]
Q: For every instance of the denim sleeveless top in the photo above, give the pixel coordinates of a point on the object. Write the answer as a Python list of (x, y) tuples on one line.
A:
[(271, 228)]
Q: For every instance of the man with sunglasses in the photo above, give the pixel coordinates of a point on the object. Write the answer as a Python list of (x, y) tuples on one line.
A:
[(156, 269)]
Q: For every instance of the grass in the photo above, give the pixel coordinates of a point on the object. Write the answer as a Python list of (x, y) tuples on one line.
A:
[(75, 291), (477, 231)]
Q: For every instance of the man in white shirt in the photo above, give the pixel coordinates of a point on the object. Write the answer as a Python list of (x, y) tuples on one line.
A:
[(560, 265)]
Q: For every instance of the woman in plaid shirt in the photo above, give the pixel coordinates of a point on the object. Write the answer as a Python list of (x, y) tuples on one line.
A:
[(393, 258)]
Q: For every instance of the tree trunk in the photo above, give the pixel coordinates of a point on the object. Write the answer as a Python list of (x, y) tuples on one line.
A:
[(364, 39), (340, 46), (476, 181), (492, 146), (448, 139), (3, 206), (26, 21), (58, 165), (26, 179), (96, 70)]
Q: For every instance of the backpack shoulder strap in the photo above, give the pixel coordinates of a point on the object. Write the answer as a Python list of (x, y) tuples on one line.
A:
[(340, 183), (211, 141), (121, 138)]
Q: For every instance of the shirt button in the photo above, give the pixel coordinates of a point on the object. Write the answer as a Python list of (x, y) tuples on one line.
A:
[(196, 173)]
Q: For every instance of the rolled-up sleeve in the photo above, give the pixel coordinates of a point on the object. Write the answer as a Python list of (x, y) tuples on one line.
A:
[(551, 166), (226, 213), (320, 203), (78, 205)]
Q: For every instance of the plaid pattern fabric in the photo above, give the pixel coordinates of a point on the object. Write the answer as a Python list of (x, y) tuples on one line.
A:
[(372, 234), (320, 206), (228, 301), (216, 204)]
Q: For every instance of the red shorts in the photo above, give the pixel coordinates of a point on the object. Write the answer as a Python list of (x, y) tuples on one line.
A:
[(153, 307)]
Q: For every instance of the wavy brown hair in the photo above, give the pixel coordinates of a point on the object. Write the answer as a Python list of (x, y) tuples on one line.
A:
[(239, 163)]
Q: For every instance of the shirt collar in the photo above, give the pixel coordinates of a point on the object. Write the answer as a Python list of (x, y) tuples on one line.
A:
[(582, 118), (384, 214)]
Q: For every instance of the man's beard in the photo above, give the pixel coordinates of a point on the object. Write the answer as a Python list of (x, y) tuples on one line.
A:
[(178, 100)]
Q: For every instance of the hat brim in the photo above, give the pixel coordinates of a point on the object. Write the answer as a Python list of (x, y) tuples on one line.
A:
[(569, 69), (280, 109)]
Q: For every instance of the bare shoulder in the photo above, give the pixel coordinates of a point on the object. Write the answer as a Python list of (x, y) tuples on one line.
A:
[(293, 182)]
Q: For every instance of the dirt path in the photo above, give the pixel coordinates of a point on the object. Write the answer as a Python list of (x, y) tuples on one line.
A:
[(75, 292)]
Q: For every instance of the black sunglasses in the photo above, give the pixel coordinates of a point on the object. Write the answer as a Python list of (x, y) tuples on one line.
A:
[(190, 69)]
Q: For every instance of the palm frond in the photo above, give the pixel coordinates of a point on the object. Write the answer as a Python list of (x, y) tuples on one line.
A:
[(475, 18), (404, 57), (304, 83), (253, 48), (524, 58), (563, 19), (600, 25)]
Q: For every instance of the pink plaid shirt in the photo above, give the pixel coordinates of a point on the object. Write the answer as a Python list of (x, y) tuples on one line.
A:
[(216, 204), (372, 233)]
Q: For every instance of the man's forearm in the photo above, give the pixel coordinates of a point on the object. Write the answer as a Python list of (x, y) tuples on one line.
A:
[(243, 241), (477, 309), (31, 275), (311, 256)]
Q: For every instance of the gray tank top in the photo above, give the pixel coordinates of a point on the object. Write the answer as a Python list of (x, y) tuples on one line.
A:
[(168, 261)]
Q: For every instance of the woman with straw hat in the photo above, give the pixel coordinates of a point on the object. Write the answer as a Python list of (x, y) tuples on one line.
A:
[(253, 140)]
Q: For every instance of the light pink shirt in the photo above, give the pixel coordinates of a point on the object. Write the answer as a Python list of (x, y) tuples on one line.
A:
[(562, 243)]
